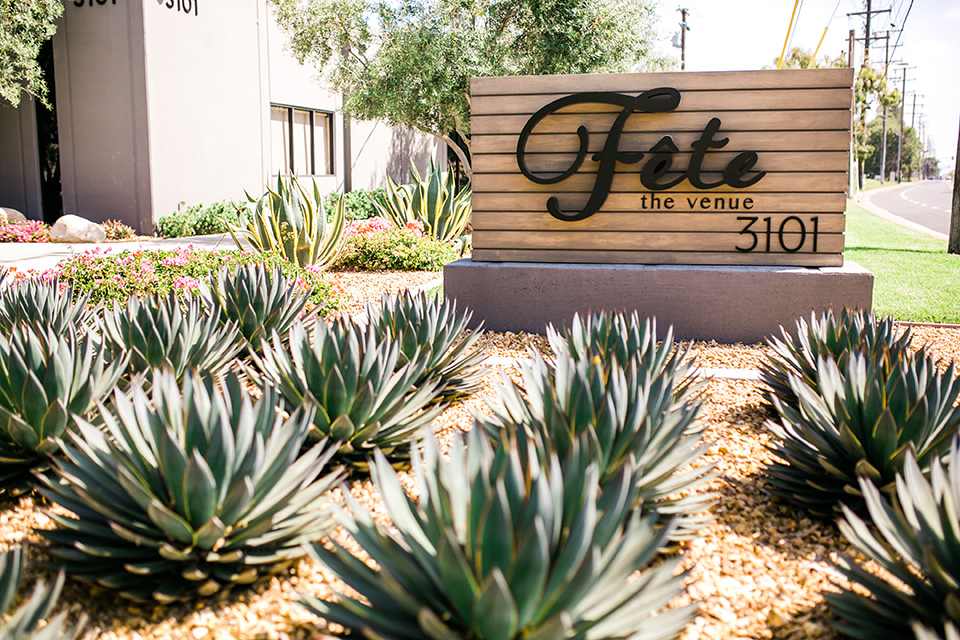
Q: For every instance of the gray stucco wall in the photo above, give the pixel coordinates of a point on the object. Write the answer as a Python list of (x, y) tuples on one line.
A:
[(19, 163)]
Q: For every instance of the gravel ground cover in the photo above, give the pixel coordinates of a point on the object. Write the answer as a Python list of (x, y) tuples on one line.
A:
[(759, 570)]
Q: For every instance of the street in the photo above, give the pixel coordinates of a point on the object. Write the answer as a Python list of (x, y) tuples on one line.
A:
[(925, 203)]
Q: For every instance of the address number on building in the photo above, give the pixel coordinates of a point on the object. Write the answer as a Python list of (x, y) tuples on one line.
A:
[(792, 234)]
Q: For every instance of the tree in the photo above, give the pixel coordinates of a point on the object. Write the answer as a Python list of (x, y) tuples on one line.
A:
[(871, 85), (799, 58), (911, 146), (410, 63), (24, 26)]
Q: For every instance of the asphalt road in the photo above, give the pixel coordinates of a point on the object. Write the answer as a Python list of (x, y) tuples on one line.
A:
[(925, 203)]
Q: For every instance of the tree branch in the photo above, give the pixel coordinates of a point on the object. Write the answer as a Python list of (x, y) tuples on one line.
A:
[(467, 166)]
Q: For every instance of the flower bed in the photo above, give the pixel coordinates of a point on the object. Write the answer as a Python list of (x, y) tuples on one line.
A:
[(375, 244)]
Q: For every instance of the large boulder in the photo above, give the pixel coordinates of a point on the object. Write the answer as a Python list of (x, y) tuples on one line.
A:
[(11, 215), (71, 228)]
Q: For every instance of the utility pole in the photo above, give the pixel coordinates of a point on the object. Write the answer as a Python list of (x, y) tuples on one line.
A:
[(883, 145), (683, 38), (903, 105), (852, 39), (953, 244)]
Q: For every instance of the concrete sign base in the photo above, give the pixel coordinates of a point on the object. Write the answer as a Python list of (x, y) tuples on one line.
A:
[(724, 303)]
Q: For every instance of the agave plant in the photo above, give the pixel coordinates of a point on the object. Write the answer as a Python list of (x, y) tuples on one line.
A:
[(951, 632), (627, 338), (363, 399), (42, 303), (189, 491), (258, 301), (291, 221), (916, 540), (503, 546), (422, 325), (434, 202), (46, 380), (158, 332), (827, 336), (24, 622), (622, 416), (869, 412)]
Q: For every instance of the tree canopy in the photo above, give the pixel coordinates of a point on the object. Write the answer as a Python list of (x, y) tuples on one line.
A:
[(24, 26), (409, 63), (911, 153), (799, 58)]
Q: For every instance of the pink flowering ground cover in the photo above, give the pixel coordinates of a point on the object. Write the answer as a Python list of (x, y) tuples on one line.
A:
[(29, 231), (114, 276)]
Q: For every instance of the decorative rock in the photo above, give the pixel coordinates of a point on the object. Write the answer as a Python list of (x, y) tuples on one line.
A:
[(70, 228), (11, 215)]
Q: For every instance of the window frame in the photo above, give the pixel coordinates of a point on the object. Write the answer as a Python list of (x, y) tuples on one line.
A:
[(289, 143)]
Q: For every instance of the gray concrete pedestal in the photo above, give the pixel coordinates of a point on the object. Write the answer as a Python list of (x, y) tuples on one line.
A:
[(726, 304)]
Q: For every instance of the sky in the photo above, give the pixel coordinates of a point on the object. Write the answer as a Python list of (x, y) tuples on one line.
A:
[(733, 35)]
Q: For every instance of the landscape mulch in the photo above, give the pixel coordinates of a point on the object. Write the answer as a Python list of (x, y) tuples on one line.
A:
[(759, 570)]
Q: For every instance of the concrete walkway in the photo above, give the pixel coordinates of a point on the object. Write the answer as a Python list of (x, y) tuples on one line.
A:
[(41, 256)]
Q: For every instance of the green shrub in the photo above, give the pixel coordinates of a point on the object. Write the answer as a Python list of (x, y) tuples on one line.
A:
[(188, 491), (394, 250), (107, 276), (868, 413), (501, 546), (916, 540), (199, 219), (358, 203)]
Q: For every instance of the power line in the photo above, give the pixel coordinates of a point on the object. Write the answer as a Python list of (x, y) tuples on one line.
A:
[(904, 24)]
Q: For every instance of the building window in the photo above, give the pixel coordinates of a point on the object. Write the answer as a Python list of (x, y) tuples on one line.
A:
[(302, 141)]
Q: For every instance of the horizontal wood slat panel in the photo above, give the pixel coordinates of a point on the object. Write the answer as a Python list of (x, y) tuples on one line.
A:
[(659, 257), (623, 183), (654, 241), (762, 202), (770, 161), (710, 101), (669, 123), (649, 221), (742, 141), (627, 82), (797, 122)]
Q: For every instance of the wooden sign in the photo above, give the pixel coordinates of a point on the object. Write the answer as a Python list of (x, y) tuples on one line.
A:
[(731, 168)]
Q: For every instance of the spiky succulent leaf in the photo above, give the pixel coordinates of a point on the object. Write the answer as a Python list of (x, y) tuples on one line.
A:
[(24, 623), (425, 326), (189, 491), (46, 380), (618, 414), (291, 221), (870, 411), (363, 399), (43, 303), (627, 338), (259, 301), (502, 545), (169, 332), (915, 538), (827, 336), (951, 632), (434, 202)]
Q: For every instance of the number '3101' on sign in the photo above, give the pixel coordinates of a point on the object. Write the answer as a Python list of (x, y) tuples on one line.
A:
[(186, 6)]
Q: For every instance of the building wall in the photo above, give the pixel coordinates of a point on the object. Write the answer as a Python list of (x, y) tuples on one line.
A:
[(205, 95), (167, 101), (19, 162), (101, 112)]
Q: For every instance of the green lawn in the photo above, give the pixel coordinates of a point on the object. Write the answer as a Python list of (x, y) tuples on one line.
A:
[(915, 278)]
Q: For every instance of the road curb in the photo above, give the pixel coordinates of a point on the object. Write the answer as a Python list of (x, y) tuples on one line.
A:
[(864, 199)]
